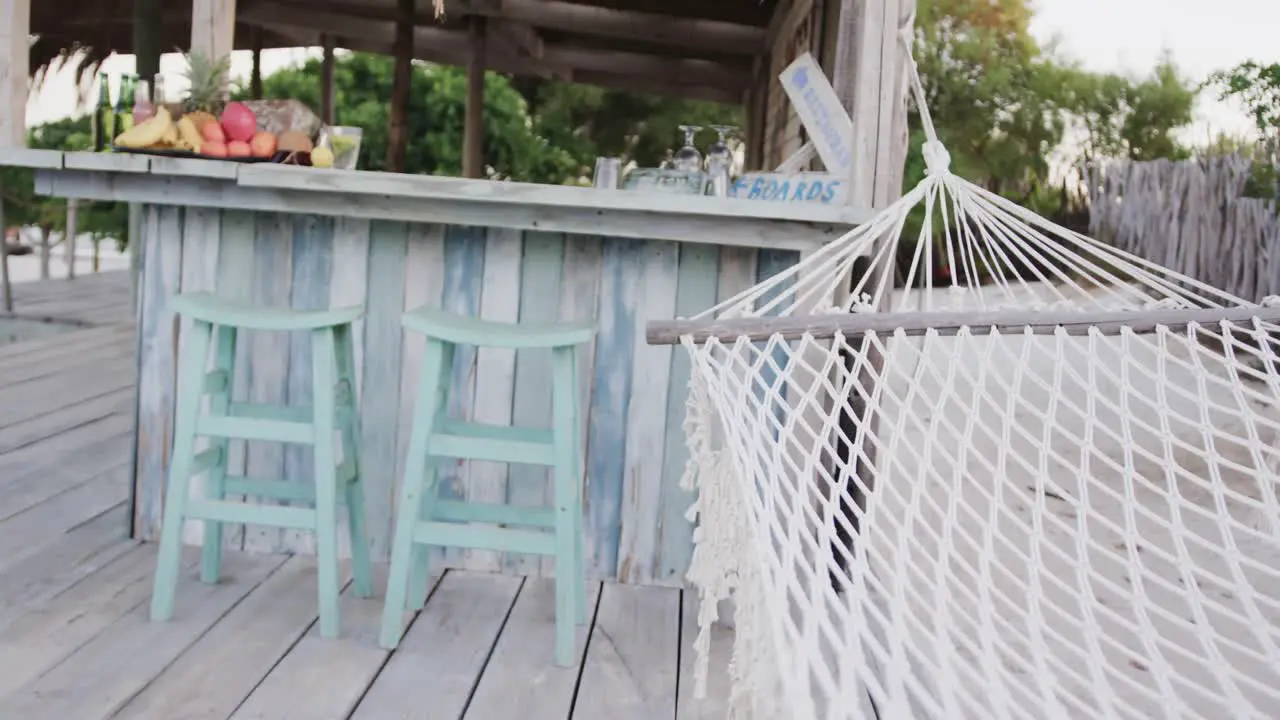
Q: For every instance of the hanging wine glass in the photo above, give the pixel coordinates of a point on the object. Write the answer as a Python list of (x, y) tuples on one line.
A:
[(688, 157)]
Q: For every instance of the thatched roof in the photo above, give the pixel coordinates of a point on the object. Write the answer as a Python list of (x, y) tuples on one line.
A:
[(688, 48)]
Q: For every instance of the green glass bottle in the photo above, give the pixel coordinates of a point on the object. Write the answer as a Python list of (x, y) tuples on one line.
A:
[(124, 103), (103, 116)]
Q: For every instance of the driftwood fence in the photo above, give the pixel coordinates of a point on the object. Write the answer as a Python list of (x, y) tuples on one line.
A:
[(1192, 217)]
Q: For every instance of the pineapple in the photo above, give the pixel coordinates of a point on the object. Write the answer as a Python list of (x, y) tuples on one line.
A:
[(209, 87)]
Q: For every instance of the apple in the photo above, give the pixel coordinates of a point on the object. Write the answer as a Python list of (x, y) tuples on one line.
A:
[(238, 149), (213, 148), (213, 133)]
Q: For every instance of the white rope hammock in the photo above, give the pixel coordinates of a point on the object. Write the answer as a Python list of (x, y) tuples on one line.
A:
[(1053, 495)]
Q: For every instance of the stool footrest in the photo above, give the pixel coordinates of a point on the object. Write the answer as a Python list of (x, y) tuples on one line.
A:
[(495, 443), (296, 413), (274, 489), (235, 512), (484, 538), (494, 514), (243, 428)]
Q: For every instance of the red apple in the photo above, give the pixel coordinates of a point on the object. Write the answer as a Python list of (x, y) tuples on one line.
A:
[(239, 122), (212, 132), (214, 148), (238, 149)]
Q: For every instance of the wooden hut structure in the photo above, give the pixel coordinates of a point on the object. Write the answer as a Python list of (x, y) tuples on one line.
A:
[(728, 51), (643, 256)]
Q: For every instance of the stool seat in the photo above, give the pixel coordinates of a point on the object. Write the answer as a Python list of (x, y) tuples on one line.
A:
[(221, 311), (465, 330)]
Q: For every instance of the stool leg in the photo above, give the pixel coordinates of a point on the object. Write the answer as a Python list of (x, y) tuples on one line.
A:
[(362, 568), (323, 378), (191, 385), (426, 505), (564, 411), (579, 563), (215, 484), (408, 510)]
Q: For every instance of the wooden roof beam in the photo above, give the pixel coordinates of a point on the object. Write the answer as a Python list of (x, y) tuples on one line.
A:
[(452, 47), (717, 36)]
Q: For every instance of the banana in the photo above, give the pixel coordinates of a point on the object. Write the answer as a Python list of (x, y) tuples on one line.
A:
[(190, 135), (170, 136), (147, 133)]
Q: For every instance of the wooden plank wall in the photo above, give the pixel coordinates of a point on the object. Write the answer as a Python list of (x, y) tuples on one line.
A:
[(633, 394), (798, 32)]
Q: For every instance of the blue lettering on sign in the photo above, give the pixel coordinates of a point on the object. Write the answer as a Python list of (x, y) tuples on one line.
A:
[(804, 188), (825, 126)]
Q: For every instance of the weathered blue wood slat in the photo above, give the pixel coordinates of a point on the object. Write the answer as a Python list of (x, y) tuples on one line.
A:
[(269, 354), (541, 271), (696, 282), (633, 395), (312, 262), (380, 402)]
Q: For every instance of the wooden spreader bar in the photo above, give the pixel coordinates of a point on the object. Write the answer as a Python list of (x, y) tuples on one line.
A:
[(825, 326)]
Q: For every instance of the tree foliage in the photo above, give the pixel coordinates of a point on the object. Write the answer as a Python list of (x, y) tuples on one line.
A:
[(1257, 86), (1004, 104), (23, 207), (535, 130)]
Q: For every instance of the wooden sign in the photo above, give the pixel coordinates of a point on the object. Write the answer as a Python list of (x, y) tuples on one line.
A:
[(819, 108), (806, 187), (662, 180)]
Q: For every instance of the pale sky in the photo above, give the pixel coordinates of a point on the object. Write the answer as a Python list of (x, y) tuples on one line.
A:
[(1111, 35)]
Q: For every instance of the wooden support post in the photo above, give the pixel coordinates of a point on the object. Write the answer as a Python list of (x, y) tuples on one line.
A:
[(255, 72), (870, 79), (146, 37), (4, 263), (401, 86), (46, 253), (69, 237), (213, 27), (473, 134), (15, 50), (326, 81)]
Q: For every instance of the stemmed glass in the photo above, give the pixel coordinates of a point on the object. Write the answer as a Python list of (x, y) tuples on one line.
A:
[(688, 157), (720, 152)]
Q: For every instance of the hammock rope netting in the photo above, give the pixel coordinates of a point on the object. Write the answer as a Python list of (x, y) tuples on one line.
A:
[(1032, 522)]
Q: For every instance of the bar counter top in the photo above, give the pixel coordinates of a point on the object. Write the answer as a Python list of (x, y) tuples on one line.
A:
[(422, 198)]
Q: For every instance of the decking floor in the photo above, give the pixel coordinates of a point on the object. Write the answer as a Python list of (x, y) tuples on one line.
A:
[(76, 643)]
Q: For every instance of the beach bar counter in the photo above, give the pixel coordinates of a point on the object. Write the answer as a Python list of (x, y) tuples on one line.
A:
[(305, 238)]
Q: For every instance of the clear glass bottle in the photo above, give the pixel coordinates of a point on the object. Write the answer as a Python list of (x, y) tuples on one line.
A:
[(143, 108)]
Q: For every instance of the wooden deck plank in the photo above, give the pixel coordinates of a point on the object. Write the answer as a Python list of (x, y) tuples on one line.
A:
[(15, 437), (50, 451), (442, 656), (324, 679), (23, 353), (62, 563), (97, 462), (630, 670), (78, 359), (39, 397), (105, 673), (715, 704), (28, 531), (212, 678), (522, 679), (37, 641)]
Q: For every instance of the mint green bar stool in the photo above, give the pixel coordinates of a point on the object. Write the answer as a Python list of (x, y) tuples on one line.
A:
[(423, 519), (334, 411)]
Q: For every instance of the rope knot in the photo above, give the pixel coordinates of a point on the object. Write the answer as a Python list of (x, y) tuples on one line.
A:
[(936, 158)]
